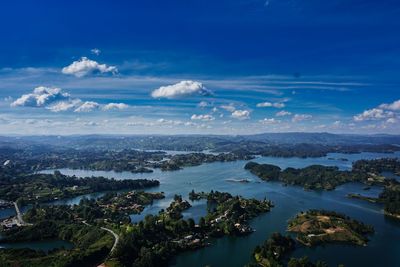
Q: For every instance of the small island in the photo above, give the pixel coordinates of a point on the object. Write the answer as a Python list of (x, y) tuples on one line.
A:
[(361, 197), (316, 227), (275, 252)]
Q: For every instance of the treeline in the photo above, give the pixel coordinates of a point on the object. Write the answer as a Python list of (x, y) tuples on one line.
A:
[(302, 150), (390, 196), (31, 160)]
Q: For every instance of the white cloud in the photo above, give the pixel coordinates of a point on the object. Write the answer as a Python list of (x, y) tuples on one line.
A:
[(203, 104), (230, 107), (269, 121), (269, 104), (374, 114), (241, 114), (283, 113), (40, 97), (392, 106), (64, 105), (163, 121), (87, 106), (205, 117), (116, 106), (301, 117), (95, 51), (55, 100), (86, 66), (382, 112), (391, 120), (181, 89)]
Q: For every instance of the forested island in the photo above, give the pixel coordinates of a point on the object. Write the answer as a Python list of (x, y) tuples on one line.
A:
[(315, 227), (327, 177), (312, 177), (275, 251), (177, 162)]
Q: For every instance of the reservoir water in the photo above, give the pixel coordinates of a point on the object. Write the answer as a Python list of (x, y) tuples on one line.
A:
[(382, 250)]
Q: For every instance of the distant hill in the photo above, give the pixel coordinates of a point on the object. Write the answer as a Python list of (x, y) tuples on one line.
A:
[(195, 142), (324, 138)]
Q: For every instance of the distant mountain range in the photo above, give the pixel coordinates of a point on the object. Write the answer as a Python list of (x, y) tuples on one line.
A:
[(195, 142)]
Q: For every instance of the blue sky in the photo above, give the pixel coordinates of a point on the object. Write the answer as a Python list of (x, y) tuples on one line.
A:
[(219, 67)]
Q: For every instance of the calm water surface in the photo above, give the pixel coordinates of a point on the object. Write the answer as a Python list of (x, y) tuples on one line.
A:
[(289, 200)]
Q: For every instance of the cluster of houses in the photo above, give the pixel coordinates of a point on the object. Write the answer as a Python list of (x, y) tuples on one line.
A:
[(9, 223), (192, 241), (129, 207), (242, 228)]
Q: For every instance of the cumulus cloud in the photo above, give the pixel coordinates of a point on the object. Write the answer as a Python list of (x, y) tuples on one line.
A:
[(269, 121), (395, 106), (55, 100), (87, 106), (86, 66), (301, 117), (382, 112), (269, 104), (115, 106), (241, 114), (163, 121), (64, 105), (283, 113), (181, 89), (205, 117), (374, 114), (40, 97)]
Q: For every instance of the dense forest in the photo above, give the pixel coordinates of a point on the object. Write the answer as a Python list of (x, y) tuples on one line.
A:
[(151, 242), (29, 188), (275, 251)]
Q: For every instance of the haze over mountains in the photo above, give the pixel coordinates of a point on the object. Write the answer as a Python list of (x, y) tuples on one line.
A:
[(198, 142)]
